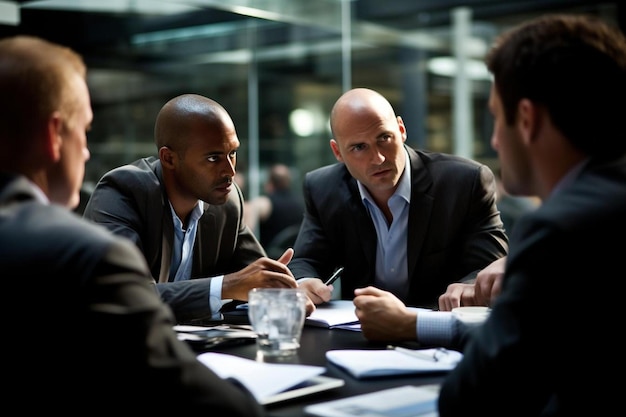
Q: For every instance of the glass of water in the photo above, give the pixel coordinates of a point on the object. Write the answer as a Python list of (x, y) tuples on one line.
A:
[(277, 317)]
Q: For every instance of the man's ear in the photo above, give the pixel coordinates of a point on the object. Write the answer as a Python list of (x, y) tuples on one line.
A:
[(166, 155), (402, 128), (530, 118), (335, 148), (53, 138)]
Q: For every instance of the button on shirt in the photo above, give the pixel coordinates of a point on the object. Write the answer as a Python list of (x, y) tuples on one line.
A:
[(391, 245)]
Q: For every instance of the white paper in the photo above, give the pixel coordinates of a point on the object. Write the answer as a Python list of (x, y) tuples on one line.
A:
[(402, 401), (339, 314), (332, 314), (372, 363), (260, 378)]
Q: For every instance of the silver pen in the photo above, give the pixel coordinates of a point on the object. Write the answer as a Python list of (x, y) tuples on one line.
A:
[(334, 277), (414, 353)]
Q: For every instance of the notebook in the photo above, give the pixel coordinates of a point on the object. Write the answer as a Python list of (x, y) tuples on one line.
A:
[(372, 363), (334, 314), (270, 383), (404, 401)]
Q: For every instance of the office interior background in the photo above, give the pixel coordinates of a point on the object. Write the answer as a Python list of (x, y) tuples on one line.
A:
[(278, 66)]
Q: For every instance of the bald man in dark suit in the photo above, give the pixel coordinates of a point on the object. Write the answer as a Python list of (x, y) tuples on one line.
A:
[(408, 221)]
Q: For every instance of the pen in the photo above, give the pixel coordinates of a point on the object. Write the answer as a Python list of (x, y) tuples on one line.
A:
[(334, 276), (414, 353)]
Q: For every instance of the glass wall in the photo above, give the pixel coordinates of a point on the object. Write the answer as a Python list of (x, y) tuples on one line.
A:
[(278, 66)]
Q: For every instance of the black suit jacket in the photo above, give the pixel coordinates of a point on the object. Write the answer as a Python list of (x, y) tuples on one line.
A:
[(553, 333), (87, 331), (131, 201), (454, 226)]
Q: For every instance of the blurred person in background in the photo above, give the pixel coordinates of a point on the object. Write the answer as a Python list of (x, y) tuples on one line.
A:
[(277, 213)]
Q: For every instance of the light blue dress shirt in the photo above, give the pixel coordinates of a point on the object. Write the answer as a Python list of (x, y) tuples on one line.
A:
[(182, 256), (391, 245)]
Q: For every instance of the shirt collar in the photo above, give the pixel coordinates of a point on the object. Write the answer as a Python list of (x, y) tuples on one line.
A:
[(196, 213), (39, 194)]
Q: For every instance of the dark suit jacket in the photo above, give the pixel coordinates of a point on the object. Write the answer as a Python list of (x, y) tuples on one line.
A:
[(87, 330), (454, 227), (553, 333), (131, 201)]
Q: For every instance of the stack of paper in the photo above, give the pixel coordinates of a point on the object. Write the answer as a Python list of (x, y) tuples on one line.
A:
[(374, 363), (270, 382)]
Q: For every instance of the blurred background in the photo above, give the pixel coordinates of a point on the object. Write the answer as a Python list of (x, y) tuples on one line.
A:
[(278, 66)]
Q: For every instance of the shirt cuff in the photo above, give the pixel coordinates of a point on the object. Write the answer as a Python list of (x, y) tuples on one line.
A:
[(435, 328), (215, 297)]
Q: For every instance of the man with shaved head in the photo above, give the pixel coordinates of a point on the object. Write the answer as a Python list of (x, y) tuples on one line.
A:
[(407, 221), (185, 212)]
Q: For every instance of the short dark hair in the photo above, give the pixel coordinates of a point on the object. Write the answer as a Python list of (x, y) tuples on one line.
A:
[(575, 66)]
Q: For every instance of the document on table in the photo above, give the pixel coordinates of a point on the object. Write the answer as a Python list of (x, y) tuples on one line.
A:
[(335, 314), (369, 363), (270, 382), (339, 314), (401, 401)]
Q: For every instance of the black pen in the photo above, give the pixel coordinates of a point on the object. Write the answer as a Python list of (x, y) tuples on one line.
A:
[(334, 276)]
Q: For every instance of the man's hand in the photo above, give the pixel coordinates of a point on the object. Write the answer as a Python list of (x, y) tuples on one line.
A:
[(489, 282), (482, 292), (383, 316), (264, 272), (316, 290), (456, 295)]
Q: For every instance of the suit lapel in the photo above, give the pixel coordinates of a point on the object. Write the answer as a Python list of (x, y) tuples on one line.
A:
[(207, 247), (420, 209), (364, 227)]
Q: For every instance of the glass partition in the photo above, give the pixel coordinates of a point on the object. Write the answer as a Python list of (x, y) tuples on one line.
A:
[(278, 66)]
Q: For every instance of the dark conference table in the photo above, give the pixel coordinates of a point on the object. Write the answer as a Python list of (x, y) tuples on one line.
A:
[(314, 344)]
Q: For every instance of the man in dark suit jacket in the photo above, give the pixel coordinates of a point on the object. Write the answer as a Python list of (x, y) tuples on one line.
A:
[(189, 189), (440, 208), (91, 333), (558, 105)]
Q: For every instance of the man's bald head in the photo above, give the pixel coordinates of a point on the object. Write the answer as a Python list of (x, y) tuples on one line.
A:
[(357, 103), (180, 114)]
